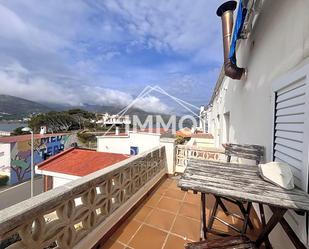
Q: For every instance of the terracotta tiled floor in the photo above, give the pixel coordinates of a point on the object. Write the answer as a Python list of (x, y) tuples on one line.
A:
[(168, 219)]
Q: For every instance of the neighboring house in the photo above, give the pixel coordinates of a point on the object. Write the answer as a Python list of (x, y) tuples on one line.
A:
[(111, 120), (196, 138), (15, 153), (132, 143), (74, 163), (201, 141), (271, 106), (137, 142)]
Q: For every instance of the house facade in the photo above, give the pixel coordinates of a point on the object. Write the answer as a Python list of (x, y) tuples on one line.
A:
[(270, 107), (15, 153), (138, 142)]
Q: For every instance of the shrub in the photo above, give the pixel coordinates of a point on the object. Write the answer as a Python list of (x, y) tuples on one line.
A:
[(4, 180), (85, 137), (180, 139)]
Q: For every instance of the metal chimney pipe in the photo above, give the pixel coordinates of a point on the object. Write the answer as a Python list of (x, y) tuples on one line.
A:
[(225, 11)]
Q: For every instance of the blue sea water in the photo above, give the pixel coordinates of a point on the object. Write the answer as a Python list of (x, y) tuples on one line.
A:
[(10, 126)]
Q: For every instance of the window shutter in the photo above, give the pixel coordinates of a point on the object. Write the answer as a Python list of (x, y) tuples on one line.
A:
[(290, 106), (291, 133)]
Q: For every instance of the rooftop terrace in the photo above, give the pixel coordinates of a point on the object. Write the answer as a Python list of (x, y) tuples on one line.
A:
[(168, 219), (131, 204)]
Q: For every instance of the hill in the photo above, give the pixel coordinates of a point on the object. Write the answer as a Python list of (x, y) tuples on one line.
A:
[(15, 108)]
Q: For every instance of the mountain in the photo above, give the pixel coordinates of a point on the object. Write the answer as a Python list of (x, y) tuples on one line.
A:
[(14, 108)]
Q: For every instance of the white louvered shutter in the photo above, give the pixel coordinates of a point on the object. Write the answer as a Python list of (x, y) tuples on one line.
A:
[(290, 110), (291, 127)]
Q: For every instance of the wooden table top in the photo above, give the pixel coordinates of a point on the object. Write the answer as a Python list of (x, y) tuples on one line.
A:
[(239, 181)]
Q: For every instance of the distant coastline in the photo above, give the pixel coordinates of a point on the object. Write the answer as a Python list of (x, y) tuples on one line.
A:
[(10, 125)]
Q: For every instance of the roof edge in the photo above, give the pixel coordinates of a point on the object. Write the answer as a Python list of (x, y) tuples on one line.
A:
[(54, 157), (217, 87)]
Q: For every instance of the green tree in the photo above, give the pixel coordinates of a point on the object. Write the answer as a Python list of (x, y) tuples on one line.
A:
[(55, 121), (18, 131)]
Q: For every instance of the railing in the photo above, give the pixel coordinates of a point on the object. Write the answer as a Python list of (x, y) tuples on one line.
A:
[(184, 153), (79, 213), (5, 133)]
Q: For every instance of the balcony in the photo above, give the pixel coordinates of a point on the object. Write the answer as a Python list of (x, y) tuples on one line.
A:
[(132, 204), (171, 218)]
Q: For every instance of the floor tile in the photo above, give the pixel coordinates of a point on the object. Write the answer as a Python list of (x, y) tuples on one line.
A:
[(142, 213), (148, 238), (153, 200), (166, 183), (193, 198), (174, 185), (190, 210), (175, 194), (170, 205), (187, 227), (126, 231), (169, 209), (161, 190), (161, 219), (174, 242), (112, 245)]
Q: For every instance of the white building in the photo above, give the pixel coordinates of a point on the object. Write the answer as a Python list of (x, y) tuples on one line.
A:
[(271, 106), (134, 143), (108, 119)]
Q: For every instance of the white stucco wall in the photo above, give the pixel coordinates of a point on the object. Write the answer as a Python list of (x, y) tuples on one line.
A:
[(144, 141), (113, 144), (122, 144), (279, 43), (58, 181), (169, 144), (5, 158)]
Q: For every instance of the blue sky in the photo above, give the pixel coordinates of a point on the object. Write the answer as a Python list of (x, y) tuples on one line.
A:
[(106, 51)]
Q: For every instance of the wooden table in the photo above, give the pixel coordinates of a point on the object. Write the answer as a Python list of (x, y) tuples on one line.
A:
[(242, 182)]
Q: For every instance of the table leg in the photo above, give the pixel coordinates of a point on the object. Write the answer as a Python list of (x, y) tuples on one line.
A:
[(263, 219), (291, 234), (274, 220), (203, 217)]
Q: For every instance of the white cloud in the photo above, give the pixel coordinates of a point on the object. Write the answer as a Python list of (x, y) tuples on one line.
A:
[(182, 26), (105, 51), (16, 81)]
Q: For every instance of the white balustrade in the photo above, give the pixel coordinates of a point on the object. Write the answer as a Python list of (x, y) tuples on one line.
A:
[(184, 153), (64, 216)]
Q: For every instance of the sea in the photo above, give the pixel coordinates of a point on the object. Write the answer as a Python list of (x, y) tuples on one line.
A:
[(11, 126)]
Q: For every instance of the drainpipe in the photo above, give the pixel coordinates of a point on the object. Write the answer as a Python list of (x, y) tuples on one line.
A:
[(225, 11)]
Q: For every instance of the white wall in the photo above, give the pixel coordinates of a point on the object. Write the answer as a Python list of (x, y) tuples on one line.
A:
[(122, 144), (113, 144), (144, 141), (170, 151), (20, 192), (58, 181), (5, 158), (279, 43)]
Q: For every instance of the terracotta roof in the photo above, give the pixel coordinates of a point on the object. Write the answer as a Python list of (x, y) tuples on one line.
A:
[(202, 135), (155, 130), (80, 162), (193, 135), (12, 139)]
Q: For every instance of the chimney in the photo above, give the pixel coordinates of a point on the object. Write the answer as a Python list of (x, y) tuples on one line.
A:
[(225, 11), (43, 130)]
